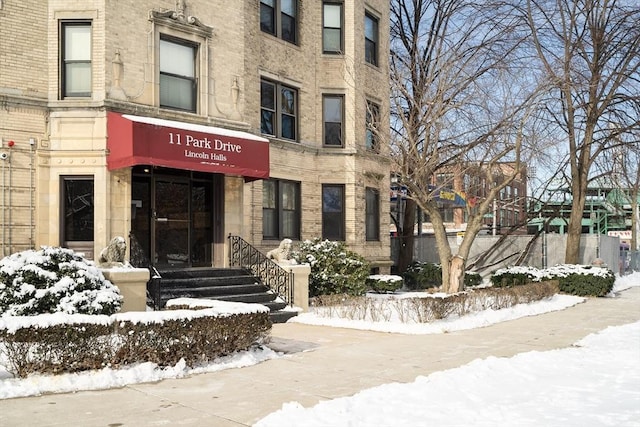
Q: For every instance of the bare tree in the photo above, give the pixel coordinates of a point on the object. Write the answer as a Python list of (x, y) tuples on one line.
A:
[(590, 51), (458, 107)]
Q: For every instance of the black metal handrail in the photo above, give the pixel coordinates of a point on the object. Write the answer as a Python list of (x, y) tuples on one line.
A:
[(242, 254)]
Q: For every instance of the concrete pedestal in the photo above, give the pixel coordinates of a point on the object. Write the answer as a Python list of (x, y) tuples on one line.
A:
[(132, 283), (300, 284)]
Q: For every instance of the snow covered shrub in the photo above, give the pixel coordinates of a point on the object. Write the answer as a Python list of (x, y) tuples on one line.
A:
[(583, 280), (54, 280), (382, 283), (334, 268), (516, 275), (580, 280), (471, 279), (423, 275)]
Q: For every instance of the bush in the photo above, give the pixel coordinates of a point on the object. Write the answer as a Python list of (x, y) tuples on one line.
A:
[(383, 283), (334, 269), (514, 276), (191, 334), (431, 307), (424, 275), (54, 280), (472, 279), (577, 280), (582, 280)]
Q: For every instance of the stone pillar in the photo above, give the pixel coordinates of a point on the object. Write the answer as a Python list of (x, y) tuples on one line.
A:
[(132, 283), (300, 284)]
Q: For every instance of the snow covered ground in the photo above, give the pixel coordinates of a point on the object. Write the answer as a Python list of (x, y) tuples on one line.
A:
[(594, 383)]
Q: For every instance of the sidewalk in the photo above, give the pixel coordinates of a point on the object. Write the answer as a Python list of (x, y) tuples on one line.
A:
[(322, 363)]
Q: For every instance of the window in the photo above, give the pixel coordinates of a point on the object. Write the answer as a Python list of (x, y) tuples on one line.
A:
[(75, 67), (178, 83), (333, 211), (370, 39), (372, 214), (332, 112), (332, 28), (278, 110), (444, 180), (286, 10), (446, 212), (280, 209), (372, 123), (78, 209)]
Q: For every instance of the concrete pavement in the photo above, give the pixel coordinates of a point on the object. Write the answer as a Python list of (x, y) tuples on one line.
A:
[(321, 363)]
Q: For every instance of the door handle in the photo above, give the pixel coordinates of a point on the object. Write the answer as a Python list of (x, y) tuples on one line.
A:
[(162, 219)]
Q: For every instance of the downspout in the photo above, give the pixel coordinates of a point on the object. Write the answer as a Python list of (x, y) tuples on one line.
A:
[(10, 204), (4, 210), (32, 143)]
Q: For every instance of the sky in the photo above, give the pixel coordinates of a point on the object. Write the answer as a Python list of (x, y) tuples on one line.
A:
[(596, 382)]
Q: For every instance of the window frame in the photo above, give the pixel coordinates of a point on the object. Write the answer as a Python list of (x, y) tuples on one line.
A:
[(279, 210), (371, 46), (325, 121), (340, 29), (270, 11), (64, 66), (331, 218), (277, 111), (195, 47), (372, 124), (372, 214), (277, 20)]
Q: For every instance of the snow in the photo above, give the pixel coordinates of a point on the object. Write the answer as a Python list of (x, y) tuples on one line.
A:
[(596, 382), (471, 321), (211, 308), (194, 127)]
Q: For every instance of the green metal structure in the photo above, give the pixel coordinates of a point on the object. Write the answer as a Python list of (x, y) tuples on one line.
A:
[(606, 209)]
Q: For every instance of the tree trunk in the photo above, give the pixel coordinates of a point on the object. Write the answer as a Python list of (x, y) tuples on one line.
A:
[(572, 252), (456, 275), (406, 236), (574, 229)]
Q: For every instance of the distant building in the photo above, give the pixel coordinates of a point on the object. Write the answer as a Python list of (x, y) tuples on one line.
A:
[(455, 190), (608, 210)]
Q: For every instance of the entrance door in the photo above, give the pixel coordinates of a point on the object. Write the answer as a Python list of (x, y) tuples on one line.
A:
[(172, 222), (172, 217)]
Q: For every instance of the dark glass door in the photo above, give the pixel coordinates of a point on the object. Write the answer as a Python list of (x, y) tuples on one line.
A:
[(202, 223), (172, 218), (172, 222)]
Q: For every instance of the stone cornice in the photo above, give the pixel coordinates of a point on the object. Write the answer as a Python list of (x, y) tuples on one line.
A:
[(178, 20)]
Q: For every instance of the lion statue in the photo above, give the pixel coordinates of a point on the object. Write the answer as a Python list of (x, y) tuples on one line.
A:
[(282, 254), (113, 255)]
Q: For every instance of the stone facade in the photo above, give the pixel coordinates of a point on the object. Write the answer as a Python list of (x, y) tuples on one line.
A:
[(56, 137)]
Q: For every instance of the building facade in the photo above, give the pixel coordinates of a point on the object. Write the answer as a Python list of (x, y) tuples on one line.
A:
[(179, 123), (456, 192)]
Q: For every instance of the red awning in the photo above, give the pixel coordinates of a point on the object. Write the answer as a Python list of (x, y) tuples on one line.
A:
[(134, 140)]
